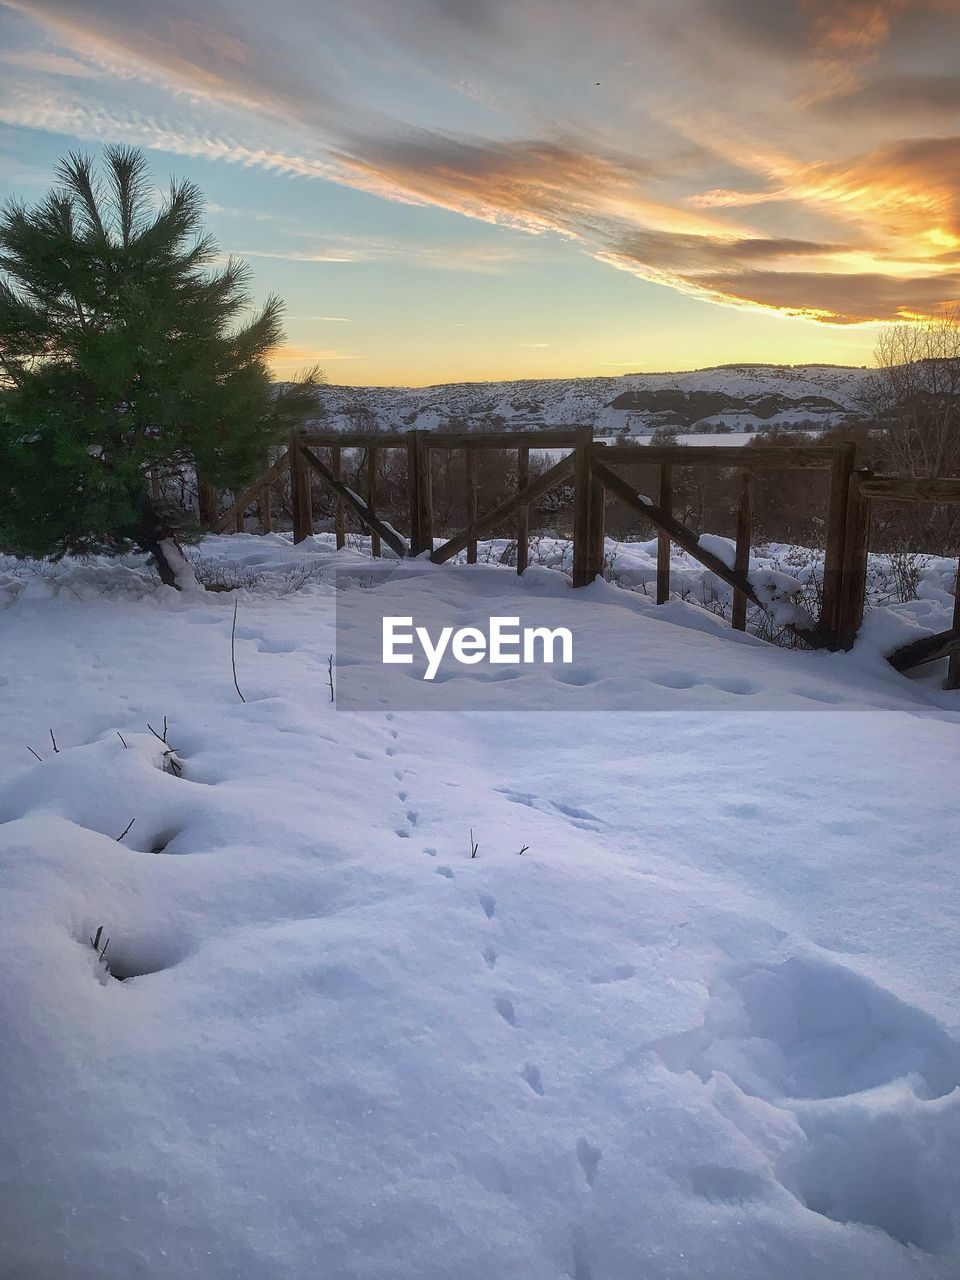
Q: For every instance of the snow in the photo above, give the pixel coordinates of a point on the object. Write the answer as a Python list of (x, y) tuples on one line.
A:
[(725, 549), (706, 1025), (743, 399)]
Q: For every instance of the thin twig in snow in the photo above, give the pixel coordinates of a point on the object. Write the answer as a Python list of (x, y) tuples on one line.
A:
[(54, 741), (33, 753), (120, 736), (125, 830), (233, 649), (330, 675)]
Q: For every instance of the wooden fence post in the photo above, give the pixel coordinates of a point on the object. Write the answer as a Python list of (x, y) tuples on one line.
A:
[(265, 509), (597, 528), (420, 493), (372, 495), (339, 523), (663, 539), (953, 666), (831, 613), (413, 498), (582, 504), (744, 535), (425, 491), (301, 495), (855, 552), (473, 510), (523, 513)]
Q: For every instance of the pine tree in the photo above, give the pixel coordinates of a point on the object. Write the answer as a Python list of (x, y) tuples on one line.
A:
[(122, 349)]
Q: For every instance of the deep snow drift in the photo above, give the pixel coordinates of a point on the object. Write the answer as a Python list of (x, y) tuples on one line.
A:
[(706, 1025)]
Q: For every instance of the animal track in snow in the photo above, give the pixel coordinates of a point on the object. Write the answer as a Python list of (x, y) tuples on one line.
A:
[(581, 818), (819, 695), (531, 1074), (504, 1007), (489, 956), (619, 973), (577, 676), (723, 1183), (685, 680), (275, 646), (489, 904), (445, 871), (429, 850), (589, 1157)]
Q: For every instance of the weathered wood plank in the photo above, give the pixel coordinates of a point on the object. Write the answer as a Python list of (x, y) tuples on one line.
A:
[(912, 489), (776, 457), (301, 493), (679, 533), (549, 439), (372, 457), (945, 644), (832, 599), (523, 511), (597, 561), (355, 439), (413, 503), (266, 509), (424, 492), (744, 536), (251, 491), (473, 509), (953, 669), (663, 539), (368, 518), (485, 524), (339, 521), (582, 508), (855, 553)]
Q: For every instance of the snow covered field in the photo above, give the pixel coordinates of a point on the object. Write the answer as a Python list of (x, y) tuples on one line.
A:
[(706, 1026)]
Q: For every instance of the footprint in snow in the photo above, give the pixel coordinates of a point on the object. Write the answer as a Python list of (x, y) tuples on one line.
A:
[(619, 973), (531, 1074), (489, 904), (504, 1007), (589, 1157)]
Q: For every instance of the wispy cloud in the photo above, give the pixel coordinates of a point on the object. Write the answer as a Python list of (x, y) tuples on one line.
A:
[(297, 355), (479, 258)]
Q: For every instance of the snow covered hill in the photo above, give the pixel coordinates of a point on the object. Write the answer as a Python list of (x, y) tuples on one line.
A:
[(691, 1013), (732, 398)]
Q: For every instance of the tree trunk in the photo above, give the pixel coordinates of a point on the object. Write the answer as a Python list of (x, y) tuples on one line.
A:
[(155, 536)]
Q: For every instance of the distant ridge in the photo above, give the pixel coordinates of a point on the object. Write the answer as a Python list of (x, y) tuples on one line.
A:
[(745, 397)]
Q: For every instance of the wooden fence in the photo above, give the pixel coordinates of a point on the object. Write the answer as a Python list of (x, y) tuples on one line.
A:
[(594, 471)]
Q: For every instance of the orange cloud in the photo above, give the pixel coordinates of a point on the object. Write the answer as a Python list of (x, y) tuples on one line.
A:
[(767, 193)]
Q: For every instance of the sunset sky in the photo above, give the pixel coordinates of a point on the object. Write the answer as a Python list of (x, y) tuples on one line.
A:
[(469, 189)]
